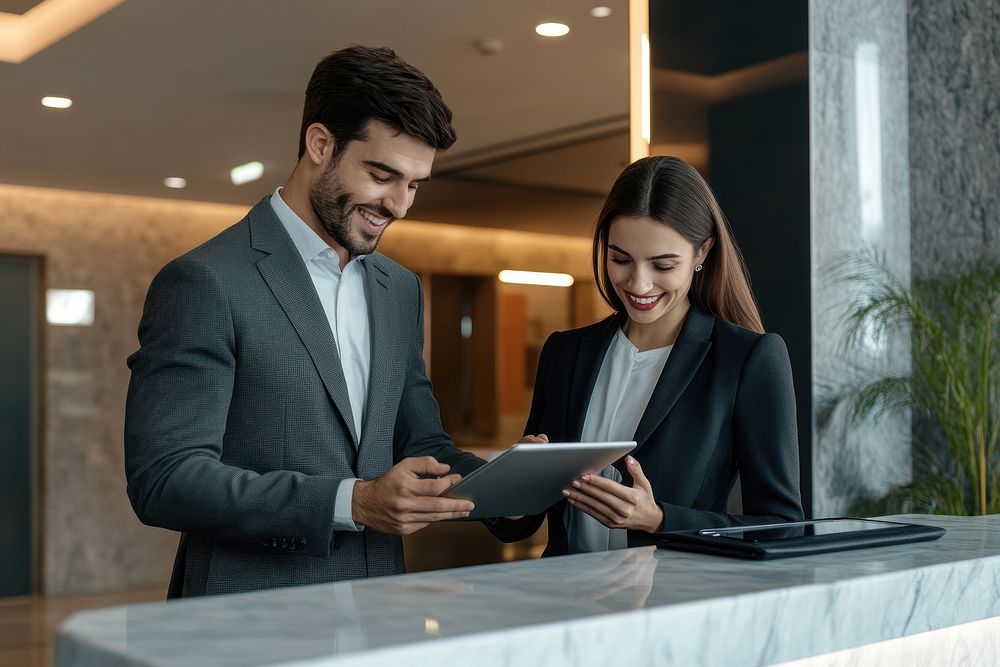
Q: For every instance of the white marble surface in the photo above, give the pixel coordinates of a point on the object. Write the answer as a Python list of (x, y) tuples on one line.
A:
[(640, 606)]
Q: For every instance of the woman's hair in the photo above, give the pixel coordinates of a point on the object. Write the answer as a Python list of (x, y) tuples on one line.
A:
[(670, 191)]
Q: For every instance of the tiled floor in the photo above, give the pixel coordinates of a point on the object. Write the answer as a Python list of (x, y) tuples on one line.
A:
[(27, 624)]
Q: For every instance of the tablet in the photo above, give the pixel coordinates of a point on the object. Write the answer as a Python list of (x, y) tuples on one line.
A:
[(799, 538), (529, 478)]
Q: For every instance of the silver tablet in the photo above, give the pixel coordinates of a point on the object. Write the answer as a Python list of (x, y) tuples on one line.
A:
[(529, 478)]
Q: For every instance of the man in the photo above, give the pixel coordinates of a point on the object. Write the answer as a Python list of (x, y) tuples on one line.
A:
[(279, 414)]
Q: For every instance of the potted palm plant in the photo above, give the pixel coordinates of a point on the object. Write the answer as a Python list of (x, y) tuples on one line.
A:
[(952, 383)]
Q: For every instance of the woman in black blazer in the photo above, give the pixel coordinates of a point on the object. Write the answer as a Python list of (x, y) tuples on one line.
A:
[(722, 406)]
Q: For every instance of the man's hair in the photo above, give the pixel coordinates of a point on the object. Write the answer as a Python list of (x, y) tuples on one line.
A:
[(358, 84)]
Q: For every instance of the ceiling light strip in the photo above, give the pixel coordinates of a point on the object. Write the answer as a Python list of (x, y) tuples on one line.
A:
[(24, 35)]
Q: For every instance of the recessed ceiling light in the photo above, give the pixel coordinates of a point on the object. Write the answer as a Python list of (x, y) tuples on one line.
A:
[(600, 12), (57, 102), (489, 46), (535, 278), (175, 182), (552, 29), (245, 173)]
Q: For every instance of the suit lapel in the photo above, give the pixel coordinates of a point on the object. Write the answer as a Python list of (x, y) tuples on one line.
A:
[(377, 295), (288, 279), (589, 358), (685, 358)]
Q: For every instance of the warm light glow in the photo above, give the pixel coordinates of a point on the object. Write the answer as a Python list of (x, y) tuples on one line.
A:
[(431, 626), (69, 307), (600, 12), (175, 182), (552, 29), (24, 35), (57, 102), (639, 66), (246, 173), (645, 93), (535, 278)]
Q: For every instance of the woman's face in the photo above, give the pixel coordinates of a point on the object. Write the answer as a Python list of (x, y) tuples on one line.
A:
[(651, 267)]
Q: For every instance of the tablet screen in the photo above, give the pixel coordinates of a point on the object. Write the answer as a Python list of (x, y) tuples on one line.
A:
[(797, 529)]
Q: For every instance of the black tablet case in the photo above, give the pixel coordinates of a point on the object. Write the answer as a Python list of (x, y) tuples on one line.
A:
[(690, 540)]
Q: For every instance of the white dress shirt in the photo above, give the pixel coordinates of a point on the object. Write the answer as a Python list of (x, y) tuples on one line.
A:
[(624, 385), (342, 293)]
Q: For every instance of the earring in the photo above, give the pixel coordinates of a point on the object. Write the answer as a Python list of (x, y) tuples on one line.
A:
[(698, 268)]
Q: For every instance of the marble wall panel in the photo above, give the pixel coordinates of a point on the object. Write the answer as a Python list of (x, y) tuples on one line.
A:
[(954, 64), (859, 184), (113, 245)]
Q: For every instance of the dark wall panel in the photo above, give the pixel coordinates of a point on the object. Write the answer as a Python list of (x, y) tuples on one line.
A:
[(759, 170), (18, 332)]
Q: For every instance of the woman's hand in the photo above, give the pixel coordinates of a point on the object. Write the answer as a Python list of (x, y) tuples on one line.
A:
[(616, 505)]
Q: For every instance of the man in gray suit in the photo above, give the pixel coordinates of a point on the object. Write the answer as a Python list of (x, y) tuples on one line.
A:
[(279, 414)]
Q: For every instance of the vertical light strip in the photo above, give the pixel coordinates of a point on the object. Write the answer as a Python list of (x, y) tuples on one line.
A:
[(639, 65), (868, 114), (644, 84)]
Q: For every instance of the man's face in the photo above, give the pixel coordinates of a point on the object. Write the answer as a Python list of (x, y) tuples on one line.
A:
[(371, 184)]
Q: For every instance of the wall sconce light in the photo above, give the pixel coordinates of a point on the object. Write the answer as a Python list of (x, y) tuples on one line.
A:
[(535, 278), (69, 307)]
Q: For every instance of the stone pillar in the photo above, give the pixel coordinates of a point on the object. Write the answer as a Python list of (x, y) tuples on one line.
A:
[(860, 199)]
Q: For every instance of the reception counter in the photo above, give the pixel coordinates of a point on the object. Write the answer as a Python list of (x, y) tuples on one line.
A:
[(632, 607)]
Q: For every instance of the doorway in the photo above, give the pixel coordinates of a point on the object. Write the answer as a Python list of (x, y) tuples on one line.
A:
[(20, 314)]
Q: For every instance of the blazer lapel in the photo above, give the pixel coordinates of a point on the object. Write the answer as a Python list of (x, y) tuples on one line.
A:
[(382, 358), (286, 275), (685, 358), (589, 358)]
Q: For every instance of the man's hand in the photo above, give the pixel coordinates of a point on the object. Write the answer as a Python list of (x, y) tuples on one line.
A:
[(616, 505), (402, 501)]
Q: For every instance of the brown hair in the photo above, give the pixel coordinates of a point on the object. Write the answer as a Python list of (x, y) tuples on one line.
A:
[(352, 86), (672, 192)]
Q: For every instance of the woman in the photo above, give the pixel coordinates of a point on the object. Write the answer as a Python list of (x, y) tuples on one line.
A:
[(684, 368)]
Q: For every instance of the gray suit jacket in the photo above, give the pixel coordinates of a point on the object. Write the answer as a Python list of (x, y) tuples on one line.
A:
[(238, 425)]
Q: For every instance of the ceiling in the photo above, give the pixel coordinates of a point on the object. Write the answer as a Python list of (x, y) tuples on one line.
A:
[(17, 6), (191, 88)]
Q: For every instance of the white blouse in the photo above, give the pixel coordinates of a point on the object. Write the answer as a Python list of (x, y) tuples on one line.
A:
[(622, 391), (624, 385)]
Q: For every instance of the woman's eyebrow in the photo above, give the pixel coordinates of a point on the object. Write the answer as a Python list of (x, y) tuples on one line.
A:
[(669, 255)]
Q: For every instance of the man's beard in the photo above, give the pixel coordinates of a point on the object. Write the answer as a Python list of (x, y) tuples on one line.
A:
[(333, 206)]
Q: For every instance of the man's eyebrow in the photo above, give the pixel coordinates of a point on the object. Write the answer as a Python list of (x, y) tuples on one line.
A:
[(382, 166), (669, 255)]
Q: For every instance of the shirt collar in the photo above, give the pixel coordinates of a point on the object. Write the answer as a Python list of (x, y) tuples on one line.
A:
[(309, 244)]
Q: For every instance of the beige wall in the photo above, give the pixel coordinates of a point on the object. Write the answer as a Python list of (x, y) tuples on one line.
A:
[(113, 245)]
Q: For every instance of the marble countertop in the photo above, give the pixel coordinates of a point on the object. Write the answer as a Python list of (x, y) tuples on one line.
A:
[(634, 606)]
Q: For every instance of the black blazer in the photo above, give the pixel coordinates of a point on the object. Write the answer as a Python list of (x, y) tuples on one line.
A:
[(724, 405)]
